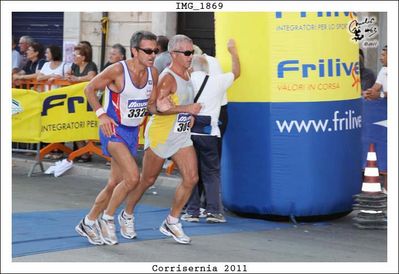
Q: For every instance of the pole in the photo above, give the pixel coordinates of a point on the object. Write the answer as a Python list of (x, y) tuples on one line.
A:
[(104, 36)]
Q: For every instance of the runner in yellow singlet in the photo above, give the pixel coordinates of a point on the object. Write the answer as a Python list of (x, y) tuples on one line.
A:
[(166, 134)]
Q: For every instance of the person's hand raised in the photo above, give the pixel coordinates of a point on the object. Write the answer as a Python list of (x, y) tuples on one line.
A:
[(231, 46)]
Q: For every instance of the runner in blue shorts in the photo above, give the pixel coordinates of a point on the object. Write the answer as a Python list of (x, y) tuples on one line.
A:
[(128, 89), (123, 134)]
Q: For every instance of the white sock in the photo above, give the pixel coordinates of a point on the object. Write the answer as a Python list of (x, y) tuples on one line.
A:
[(89, 222), (127, 216), (107, 217), (172, 220)]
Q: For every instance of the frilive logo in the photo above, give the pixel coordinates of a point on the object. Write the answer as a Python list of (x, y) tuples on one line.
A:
[(60, 100), (324, 68)]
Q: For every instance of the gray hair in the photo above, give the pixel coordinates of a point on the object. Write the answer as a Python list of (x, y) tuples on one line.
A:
[(197, 50), (199, 63), (29, 40), (121, 49), (177, 40)]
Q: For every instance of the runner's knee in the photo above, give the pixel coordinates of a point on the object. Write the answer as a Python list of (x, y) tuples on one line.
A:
[(131, 182), (112, 183), (109, 189), (191, 178), (149, 181)]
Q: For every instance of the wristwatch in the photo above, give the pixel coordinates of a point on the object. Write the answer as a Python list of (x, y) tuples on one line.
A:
[(382, 94)]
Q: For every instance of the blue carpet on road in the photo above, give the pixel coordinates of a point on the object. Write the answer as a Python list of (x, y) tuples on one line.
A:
[(49, 231)]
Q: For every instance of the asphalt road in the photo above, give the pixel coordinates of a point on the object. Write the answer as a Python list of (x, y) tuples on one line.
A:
[(334, 241)]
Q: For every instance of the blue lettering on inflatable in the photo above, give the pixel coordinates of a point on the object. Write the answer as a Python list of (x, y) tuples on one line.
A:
[(319, 68)]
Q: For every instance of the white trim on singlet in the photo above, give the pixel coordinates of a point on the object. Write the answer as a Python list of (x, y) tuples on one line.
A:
[(131, 79)]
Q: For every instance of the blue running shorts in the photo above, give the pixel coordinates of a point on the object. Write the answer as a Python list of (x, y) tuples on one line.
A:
[(123, 134)]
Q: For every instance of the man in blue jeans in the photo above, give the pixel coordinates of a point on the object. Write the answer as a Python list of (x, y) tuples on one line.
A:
[(206, 132)]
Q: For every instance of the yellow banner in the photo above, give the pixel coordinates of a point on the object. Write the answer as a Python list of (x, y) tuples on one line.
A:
[(60, 115), (290, 56), (67, 116), (26, 108)]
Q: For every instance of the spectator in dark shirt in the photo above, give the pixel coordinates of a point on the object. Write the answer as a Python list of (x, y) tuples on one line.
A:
[(83, 68), (367, 76), (116, 54), (35, 62)]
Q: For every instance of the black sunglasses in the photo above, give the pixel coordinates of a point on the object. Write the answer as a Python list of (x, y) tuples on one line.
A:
[(149, 51), (186, 53)]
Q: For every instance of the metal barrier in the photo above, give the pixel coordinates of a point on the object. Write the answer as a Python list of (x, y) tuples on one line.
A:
[(41, 86), (35, 147), (29, 148)]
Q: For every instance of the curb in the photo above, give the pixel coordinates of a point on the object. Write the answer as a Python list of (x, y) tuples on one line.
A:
[(89, 170)]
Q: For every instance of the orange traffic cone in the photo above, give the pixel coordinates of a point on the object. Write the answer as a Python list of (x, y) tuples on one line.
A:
[(371, 182), (371, 202)]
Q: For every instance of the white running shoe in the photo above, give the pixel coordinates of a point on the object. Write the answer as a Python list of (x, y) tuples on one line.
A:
[(190, 218), (175, 231), (127, 226), (107, 229), (92, 233)]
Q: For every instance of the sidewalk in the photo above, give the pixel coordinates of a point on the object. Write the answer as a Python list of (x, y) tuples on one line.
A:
[(96, 168)]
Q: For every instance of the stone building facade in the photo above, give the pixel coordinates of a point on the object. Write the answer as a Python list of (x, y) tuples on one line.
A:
[(80, 26)]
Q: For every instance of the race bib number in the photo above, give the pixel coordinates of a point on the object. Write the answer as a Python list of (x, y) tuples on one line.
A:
[(182, 123), (136, 109)]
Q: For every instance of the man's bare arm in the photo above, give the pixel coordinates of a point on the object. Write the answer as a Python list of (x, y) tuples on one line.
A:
[(100, 82), (373, 92), (151, 105), (164, 91), (235, 61)]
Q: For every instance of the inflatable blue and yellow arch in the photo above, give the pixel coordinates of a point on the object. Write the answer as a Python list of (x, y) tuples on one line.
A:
[(293, 143)]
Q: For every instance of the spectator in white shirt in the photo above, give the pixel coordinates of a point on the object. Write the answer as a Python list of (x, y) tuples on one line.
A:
[(379, 89), (54, 68), (205, 134), (215, 69)]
